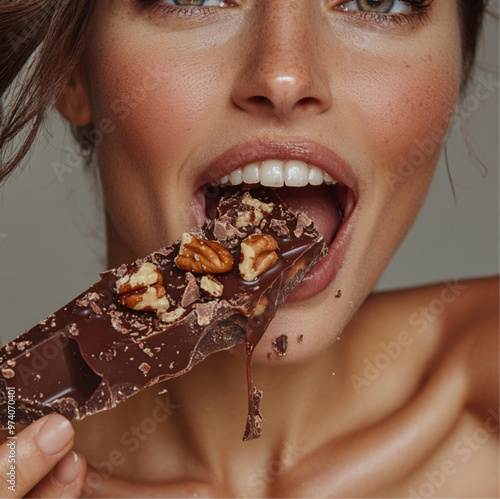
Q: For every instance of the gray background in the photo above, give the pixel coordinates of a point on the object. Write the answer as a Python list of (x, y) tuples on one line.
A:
[(51, 229)]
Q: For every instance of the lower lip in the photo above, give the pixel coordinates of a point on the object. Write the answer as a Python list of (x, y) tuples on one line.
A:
[(325, 271)]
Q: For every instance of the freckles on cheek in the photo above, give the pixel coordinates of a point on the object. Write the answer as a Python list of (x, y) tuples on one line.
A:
[(406, 113), (155, 105)]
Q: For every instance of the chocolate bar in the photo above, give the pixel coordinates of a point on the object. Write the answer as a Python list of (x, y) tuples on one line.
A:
[(154, 319)]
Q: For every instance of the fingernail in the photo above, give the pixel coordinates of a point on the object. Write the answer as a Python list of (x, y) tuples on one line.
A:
[(67, 469), (54, 435)]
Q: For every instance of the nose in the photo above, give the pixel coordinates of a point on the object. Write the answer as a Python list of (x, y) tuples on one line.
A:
[(283, 75)]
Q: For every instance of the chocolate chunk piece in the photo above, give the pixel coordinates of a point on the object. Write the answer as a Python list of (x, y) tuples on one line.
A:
[(280, 344), (280, 227), (192, 291), (148, 321), (254, 419)]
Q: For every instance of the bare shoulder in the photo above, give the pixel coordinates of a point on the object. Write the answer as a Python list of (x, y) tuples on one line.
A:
[(473, 326), (452, 323)]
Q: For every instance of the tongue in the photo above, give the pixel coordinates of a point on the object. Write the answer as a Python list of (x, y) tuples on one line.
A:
[(319, 204)]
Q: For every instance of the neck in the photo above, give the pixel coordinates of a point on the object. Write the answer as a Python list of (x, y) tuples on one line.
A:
[(212, 408)]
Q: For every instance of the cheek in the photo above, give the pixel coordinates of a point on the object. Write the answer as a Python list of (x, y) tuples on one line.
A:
[(401, 115), (406, 112), (158, 105), (156, 101)]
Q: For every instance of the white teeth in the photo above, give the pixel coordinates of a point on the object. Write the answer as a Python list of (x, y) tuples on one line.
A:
[(296, 174), (327, 179), (271, 173), (315, 176), (236, 177), (251, 174), (277, 173)]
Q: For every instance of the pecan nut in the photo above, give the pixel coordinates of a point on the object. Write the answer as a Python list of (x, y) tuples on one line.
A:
[(212, 287), (201, 256), (258, 254), (254, 211), (141, 289)]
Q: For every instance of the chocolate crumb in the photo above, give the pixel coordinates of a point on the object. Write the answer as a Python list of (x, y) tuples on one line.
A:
[(72, 329), (280, 344), (121, 271), (22, 345), (224, 231), (95, 308), (192, 291), (8, 373), (253, 427), (145, 368), (92, 296), (300, 338), (279, 227), (303, 221), (205, 312), (148, 351), (339, 294)]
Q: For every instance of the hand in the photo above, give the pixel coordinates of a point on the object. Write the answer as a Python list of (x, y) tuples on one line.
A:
[(45, 465)]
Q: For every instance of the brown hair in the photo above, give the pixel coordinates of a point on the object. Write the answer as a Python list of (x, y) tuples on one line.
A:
[(42, 40)]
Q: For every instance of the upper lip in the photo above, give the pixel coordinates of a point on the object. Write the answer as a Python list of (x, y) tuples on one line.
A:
[(259, 150)]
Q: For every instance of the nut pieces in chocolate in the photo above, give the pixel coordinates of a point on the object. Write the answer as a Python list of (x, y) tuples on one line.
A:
[(258, 255), (158, 317), (202, 256)]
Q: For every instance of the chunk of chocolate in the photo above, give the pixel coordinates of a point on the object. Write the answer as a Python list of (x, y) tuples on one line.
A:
[(148, 321), (280, 344)]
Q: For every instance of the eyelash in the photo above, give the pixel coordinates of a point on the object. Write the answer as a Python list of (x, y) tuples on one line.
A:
[(157, 6), (420, 12)]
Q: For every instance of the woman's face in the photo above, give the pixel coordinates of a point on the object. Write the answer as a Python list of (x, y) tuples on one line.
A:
[(183, 95)]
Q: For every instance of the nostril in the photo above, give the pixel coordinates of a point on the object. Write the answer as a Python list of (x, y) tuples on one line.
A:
[(260, 100), (307, 103)]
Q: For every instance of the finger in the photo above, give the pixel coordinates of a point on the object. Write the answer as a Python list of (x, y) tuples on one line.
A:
[(36, 450), (65, 480)]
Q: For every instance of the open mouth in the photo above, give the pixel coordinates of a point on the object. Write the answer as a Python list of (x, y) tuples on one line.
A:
[(324, 196), (302, 188)]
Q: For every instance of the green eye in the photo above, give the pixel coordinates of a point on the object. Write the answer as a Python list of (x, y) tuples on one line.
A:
[(377, 6)]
